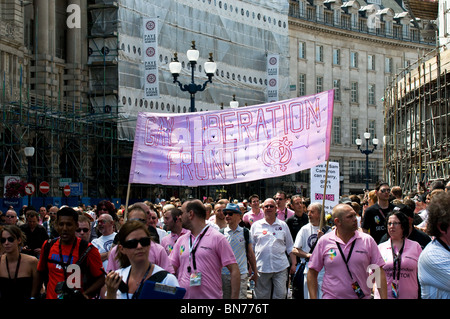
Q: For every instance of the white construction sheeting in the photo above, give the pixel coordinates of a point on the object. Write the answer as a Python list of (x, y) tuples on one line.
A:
[(240, 34)]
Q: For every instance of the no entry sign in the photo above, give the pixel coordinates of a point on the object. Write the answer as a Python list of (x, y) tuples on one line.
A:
[(44, 187), (67, 190)]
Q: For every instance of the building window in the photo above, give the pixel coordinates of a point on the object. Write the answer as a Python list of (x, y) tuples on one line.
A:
[(371, 94), (302, 50), (302, 85), (354, 131), (388, 65), (372, 130), (319, 53), (371, 62), (337, 130), (354, 59), (354, 92), (336, 56), (337, 90), (319, 84)]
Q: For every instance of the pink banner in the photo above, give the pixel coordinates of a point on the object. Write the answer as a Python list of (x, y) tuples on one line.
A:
[(233, 145)]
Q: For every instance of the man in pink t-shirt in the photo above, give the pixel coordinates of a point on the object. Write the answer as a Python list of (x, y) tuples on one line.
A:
[(346, 254), (255, 214), (199, 256)]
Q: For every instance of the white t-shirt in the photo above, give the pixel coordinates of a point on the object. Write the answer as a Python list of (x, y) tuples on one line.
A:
[(104, 244), (305, 239), (170, 280)]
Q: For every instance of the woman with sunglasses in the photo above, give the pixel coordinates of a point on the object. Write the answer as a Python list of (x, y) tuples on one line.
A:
[(18, 272), (401, 256), (133, 249)]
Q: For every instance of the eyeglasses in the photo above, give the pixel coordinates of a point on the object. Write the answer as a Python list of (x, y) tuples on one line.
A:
[(85, 230), (133, 243), (280, 198), (10, 216), (385, 190), (269, 206), (393, 224), (10, 239)]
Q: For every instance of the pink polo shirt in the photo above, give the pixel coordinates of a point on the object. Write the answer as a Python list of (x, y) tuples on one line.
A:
[(156, 255), (408, 286), (169, 241), (212, 254), (337, 283), (250, 217)]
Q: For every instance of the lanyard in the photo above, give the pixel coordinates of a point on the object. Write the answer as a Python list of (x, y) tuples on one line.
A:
[(381, 212), (193, 249), (348, 258), (138, 290), (62, 263), (397, 261)]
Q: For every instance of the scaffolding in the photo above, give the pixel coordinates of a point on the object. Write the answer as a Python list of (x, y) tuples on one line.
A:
[(45, 103), (417, 122)]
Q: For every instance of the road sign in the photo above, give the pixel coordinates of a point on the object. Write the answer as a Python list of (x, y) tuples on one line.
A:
[(30, 189), (44, 187), (67, 190), (76, 189)]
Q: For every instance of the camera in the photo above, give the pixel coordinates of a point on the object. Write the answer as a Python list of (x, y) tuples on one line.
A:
[(64, 292)]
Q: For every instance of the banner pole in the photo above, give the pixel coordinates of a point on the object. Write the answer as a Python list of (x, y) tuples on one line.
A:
[(322, 213), (125, 215)]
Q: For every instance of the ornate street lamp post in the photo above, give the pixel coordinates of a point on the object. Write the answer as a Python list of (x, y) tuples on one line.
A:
[(367, 151), (209, 67)]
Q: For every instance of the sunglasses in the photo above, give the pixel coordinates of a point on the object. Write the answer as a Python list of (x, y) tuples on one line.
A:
[(85, 230), (385, 190), (228, 213), (269, 206), (133, 243), (10, 239)]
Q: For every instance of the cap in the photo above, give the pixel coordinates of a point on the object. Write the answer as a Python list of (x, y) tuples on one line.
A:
[(405, 209), (232, 208), (345, 200)]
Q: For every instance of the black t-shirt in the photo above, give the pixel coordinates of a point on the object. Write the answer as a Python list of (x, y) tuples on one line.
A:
[(295, 223), (375, 220)]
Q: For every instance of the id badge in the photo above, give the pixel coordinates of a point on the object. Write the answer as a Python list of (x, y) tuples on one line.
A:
[(394, 290), (195, 279), (357, 289)]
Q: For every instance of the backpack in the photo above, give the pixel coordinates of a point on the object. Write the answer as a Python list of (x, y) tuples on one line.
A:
[(84, 247), (246, 237)]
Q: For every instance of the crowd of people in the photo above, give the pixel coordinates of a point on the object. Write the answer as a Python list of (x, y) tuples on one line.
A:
[(382, 244)]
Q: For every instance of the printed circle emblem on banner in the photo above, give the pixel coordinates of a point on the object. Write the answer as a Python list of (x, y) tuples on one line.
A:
[(272, 82), (150, 51), (278, 153), (151, 78), (273, 60), (150, 25)]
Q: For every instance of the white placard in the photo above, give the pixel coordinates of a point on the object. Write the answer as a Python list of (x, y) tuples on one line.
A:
[(318, 174)]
